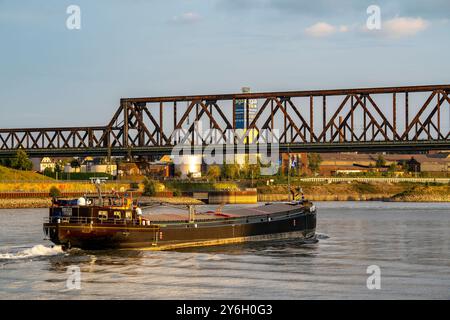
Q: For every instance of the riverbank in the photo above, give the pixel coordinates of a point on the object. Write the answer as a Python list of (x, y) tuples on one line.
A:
[(342, 191), (424, 194), (404, 192), (25, 203)]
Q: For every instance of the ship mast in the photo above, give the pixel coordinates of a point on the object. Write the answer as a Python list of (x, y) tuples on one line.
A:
[(191, 213), (98, 182)]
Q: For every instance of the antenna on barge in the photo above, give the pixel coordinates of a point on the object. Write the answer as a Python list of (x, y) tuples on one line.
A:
[(191, 213), (98, 182)]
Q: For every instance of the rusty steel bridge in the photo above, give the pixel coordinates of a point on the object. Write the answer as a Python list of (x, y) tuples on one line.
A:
[(400, 119)]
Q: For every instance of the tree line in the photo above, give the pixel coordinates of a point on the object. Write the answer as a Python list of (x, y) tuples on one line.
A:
[(21, 161)]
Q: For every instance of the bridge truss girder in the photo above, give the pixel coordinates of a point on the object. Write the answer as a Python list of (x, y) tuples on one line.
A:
[(315, 120)]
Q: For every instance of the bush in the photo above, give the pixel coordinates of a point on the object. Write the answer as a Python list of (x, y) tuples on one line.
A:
[(55, 192), (176, 193), (134, 185), (314, 161), (149, 187), (230, 171), (213, 172)]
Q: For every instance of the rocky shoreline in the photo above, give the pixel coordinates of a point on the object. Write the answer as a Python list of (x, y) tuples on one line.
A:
[(424, 194)]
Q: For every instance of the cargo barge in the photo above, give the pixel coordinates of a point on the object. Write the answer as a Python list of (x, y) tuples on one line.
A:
[(118, 223)]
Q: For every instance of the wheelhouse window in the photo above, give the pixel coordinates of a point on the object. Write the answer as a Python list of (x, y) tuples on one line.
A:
[(103, 215)]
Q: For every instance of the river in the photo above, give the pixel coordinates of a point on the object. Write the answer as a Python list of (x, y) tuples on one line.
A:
[(408, 242)]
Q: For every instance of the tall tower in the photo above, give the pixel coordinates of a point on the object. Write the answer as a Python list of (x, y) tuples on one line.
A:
[(246, 110)]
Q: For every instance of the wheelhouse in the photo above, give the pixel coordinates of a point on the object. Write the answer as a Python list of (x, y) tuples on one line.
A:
[(94, 210)]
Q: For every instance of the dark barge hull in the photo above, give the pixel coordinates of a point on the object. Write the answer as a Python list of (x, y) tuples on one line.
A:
[(294, 221)]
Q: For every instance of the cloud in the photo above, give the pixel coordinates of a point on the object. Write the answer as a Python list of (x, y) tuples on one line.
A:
[(394, 28), (323, 29), (399, 27), (320, 29), (187, 17), (298, 7), (431, 9), (343, 29)]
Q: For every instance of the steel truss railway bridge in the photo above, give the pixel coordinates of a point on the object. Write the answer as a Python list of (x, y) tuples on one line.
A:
[(400, 119)]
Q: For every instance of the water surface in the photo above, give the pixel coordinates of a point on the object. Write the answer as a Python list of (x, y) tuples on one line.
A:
[(408, 241)]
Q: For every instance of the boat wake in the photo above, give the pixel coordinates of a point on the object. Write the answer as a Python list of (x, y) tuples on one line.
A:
[(36, 251), (321, 236)]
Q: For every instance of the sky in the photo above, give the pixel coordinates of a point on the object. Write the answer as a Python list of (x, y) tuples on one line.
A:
[(54, 76)]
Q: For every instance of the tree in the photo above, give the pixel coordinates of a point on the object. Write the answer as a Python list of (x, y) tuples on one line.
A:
[(213, 172), (75, 164), (254, 170), (21, 161), (58, 167), (55, 192), (314, 161), (251, 170), (381, 162), (392, 168), (48, 172), (230, 171), (6, 162)]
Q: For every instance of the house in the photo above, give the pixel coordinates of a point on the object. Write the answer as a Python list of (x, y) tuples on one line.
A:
[(100, 168), (128, 169), (47, 163), (163, 168), (297, 161), (91, 165), (354, 163), (433, 163)]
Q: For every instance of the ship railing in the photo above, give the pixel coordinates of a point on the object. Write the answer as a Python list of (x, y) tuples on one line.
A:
[(179, 223), (92, 220)]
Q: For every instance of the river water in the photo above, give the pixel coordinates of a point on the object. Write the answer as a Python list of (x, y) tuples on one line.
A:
[(409, 242)]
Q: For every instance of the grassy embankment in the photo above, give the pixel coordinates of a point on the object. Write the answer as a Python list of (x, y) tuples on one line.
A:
[(25, 181), (21, 181), (424, 193), (358, 191), (342, 191)]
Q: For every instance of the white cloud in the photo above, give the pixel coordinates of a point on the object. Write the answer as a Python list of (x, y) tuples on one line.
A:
[(399, 27), (323, 29), (320, 29), (343, 29), (188, 17)]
